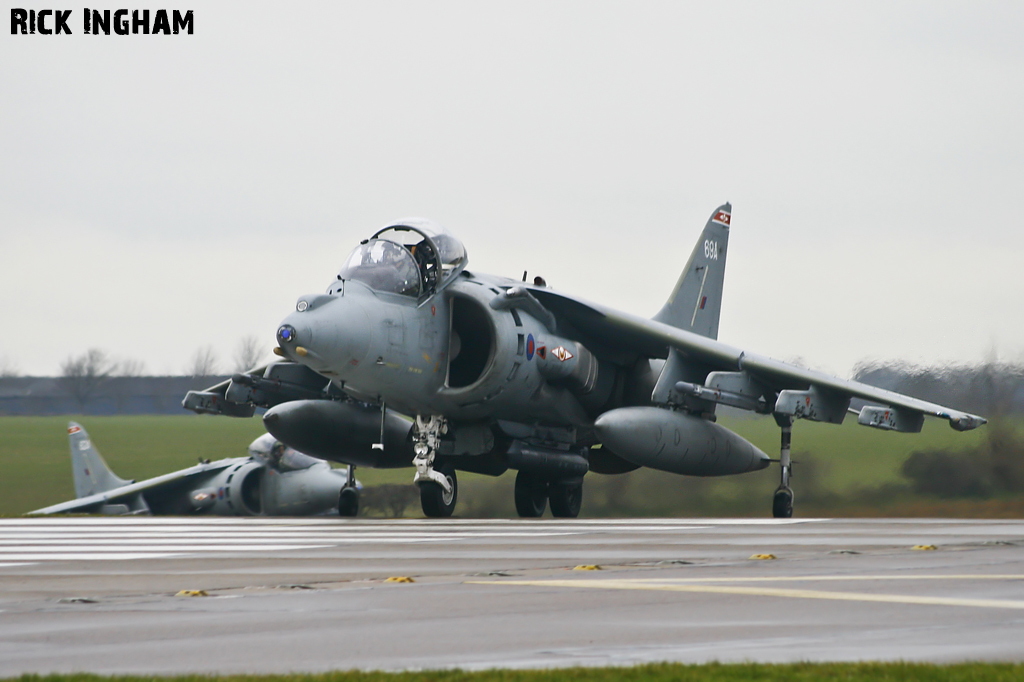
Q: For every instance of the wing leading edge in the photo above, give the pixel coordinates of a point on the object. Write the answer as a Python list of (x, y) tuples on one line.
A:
[(796, 391), (94, 502)]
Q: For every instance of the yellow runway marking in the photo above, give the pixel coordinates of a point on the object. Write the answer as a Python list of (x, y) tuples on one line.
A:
[(691, 585), (812, 578)]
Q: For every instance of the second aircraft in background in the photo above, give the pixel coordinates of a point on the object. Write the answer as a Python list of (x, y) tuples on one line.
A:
[(274, 480)]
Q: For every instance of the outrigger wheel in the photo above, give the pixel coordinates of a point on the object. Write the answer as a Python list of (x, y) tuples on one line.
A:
[(436, 502), (782, 502)]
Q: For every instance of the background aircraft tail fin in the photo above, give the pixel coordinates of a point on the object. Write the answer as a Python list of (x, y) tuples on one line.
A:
[(696, 301), (92, 475)]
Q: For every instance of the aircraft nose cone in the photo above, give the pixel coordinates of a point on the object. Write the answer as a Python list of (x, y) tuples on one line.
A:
[(293, 336), (286, 334), (325, 333)]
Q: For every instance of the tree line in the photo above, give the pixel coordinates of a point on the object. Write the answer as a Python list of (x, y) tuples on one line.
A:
[(991, 389), (96, 374)]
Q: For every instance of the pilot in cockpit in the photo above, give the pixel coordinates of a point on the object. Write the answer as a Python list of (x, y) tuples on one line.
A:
[(424, 255), (392, 266)]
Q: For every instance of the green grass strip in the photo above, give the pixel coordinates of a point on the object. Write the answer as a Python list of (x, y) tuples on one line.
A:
[(717, 672)]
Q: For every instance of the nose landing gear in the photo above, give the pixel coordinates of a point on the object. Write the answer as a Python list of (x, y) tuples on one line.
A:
[(438, 501), (438, 484)]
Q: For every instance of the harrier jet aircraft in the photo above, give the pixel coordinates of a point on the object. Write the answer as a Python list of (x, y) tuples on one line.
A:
[(410, 359), (274, 480)]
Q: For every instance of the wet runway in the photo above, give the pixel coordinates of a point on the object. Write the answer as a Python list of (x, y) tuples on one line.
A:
[(99, 595)]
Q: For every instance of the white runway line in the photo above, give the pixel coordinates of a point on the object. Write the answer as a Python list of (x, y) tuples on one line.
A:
[(250, 529), (127, 538), (5, 552), (320, 522), (88, 556), (105, 539), (245, 537)]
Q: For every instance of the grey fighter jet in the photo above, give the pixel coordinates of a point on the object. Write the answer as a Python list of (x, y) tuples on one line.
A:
[(274, 480), (410, 359)]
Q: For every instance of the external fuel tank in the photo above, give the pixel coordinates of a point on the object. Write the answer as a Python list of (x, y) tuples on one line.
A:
[(677, 442)]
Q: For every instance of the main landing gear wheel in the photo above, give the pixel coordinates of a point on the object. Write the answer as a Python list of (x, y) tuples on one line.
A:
[(782, 504), (531, 495), (348, 500), (435, 500), (566, 499)]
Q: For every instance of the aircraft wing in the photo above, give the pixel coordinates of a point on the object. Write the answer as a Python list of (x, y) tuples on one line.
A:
[(797, 391), (263, 386), (93, 503)]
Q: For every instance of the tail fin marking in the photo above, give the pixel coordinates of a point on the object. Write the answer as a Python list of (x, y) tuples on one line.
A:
[(698, 292), (91, 473)]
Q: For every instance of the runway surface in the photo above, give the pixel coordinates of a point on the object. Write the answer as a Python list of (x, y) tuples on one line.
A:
[(99, 595)]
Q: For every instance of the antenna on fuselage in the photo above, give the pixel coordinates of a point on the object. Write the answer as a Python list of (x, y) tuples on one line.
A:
[(383, 414)]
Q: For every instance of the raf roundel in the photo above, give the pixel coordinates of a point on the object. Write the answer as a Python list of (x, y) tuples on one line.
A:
[(531, 346)]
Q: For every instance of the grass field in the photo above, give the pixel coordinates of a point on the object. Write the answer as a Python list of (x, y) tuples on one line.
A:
[(831, 461), (660, 672), (853, 456)]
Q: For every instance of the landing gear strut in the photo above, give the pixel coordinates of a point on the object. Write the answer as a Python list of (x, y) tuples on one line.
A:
[(438, 484), (348, 500), (782, 502)]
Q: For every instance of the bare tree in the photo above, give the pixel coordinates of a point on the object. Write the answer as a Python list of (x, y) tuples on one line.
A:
[(8, 368), (997, 382), (249, 352), (203, 362), (83, 376), (129, 367)]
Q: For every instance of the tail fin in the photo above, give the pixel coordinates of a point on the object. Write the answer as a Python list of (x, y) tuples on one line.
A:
[(92, 475), (696, 302)]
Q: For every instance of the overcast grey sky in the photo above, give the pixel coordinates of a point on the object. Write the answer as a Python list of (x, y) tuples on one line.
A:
[(162, 193)]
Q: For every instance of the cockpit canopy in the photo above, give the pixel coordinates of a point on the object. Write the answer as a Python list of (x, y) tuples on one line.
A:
[(412, 257), (384, 266), (271, 452)]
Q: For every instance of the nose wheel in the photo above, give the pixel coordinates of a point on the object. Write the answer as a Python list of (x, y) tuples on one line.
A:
[(437, 501), (436, 480), (782, 501)]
